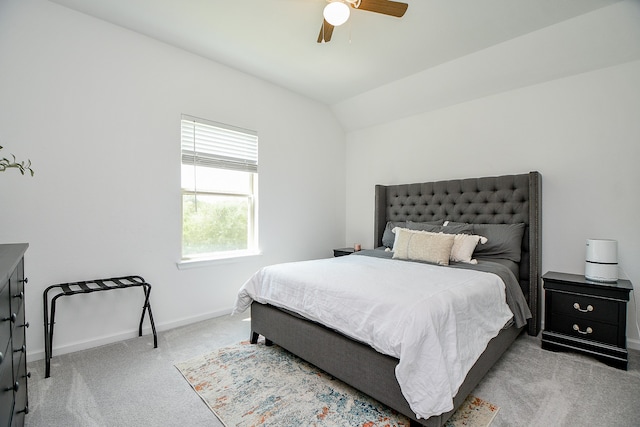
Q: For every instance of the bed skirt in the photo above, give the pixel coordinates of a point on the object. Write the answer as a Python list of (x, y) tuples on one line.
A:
[(358, 364)]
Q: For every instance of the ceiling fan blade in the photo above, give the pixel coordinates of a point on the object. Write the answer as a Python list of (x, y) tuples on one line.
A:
[(326, 30), (386, 7)]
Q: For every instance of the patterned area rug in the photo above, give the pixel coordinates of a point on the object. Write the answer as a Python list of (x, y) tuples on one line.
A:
[(254, 385)]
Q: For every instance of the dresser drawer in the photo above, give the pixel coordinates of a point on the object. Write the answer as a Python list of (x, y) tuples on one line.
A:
[(16, 280), (5, 313), (18, 353), (585, 329), (5, 355), (585, 307), (18, 333), (20, 405), (6, 391), (17, 306)]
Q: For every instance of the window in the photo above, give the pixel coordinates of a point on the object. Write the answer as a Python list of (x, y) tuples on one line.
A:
[(219, 190)]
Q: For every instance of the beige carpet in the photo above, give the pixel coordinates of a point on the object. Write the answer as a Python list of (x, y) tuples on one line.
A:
[(249, 385)]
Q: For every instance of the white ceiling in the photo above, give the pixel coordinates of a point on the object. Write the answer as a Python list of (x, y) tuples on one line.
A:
[(276, 39)]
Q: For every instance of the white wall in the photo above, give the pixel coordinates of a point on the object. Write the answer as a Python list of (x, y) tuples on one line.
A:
[(581, 133), (96, 108)]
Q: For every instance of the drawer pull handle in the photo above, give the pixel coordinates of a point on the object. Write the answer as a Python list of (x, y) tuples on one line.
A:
[(12, 318), (15, 387), (584, 310), (577, 329)]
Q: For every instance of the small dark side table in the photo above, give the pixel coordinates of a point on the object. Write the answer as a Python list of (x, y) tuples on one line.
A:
[(586, 316), (74, 288)]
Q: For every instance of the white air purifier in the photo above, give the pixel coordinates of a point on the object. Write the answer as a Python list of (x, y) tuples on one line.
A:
[(601, 260)]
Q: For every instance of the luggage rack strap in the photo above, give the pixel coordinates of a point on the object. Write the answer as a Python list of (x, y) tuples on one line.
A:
[(53, 292), (88, 286)]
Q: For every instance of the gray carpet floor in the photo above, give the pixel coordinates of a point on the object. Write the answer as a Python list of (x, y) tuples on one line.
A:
[(132, 384)]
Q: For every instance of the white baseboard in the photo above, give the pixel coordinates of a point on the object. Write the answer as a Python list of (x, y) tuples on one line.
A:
[(38, 353)]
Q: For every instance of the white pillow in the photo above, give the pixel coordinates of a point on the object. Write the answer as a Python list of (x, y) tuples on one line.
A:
[(463, 247), (422, 246)]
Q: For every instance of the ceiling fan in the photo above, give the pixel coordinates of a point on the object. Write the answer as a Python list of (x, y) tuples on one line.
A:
[(337, 12)]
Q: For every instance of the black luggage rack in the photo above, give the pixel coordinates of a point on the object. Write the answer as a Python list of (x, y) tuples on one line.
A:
[(74, 288)]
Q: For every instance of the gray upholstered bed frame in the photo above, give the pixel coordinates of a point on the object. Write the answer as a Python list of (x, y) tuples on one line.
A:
[(490, 200)]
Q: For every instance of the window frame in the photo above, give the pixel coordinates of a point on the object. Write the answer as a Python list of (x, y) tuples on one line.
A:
[(193, 260)]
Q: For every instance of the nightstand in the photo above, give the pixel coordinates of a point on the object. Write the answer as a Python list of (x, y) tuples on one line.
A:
[(586, 316), (343, 251)]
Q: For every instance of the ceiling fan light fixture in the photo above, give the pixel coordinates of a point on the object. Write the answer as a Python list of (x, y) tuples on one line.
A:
[(336, 13)]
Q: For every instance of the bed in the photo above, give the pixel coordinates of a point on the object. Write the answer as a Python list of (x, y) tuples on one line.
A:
[(483, 202)]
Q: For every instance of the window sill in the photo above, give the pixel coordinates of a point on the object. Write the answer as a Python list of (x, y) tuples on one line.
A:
[(222, 259)]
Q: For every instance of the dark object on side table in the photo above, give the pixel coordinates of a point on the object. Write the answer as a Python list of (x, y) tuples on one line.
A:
[(14, 398), (343, 252), (586, 316), (65, 289)]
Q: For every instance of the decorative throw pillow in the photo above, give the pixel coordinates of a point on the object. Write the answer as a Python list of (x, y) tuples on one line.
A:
[(422, 246), (463, 247)]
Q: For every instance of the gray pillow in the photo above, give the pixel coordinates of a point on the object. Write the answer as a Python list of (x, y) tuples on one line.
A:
[(459, 228), (503, 240), (388, 237)]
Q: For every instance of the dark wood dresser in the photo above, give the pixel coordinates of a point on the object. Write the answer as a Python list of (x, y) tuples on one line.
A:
[(586, 316), (14, 403)]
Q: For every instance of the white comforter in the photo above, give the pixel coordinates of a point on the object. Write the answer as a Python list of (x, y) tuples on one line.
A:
[(435, 320)]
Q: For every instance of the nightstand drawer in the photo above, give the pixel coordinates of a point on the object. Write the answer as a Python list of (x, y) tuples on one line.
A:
[(586, 329), (587, 308)]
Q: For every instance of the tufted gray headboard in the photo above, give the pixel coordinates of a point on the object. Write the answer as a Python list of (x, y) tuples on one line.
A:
[(504, 199)]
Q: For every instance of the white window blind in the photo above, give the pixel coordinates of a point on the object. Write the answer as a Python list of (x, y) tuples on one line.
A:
[(216, 145)]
